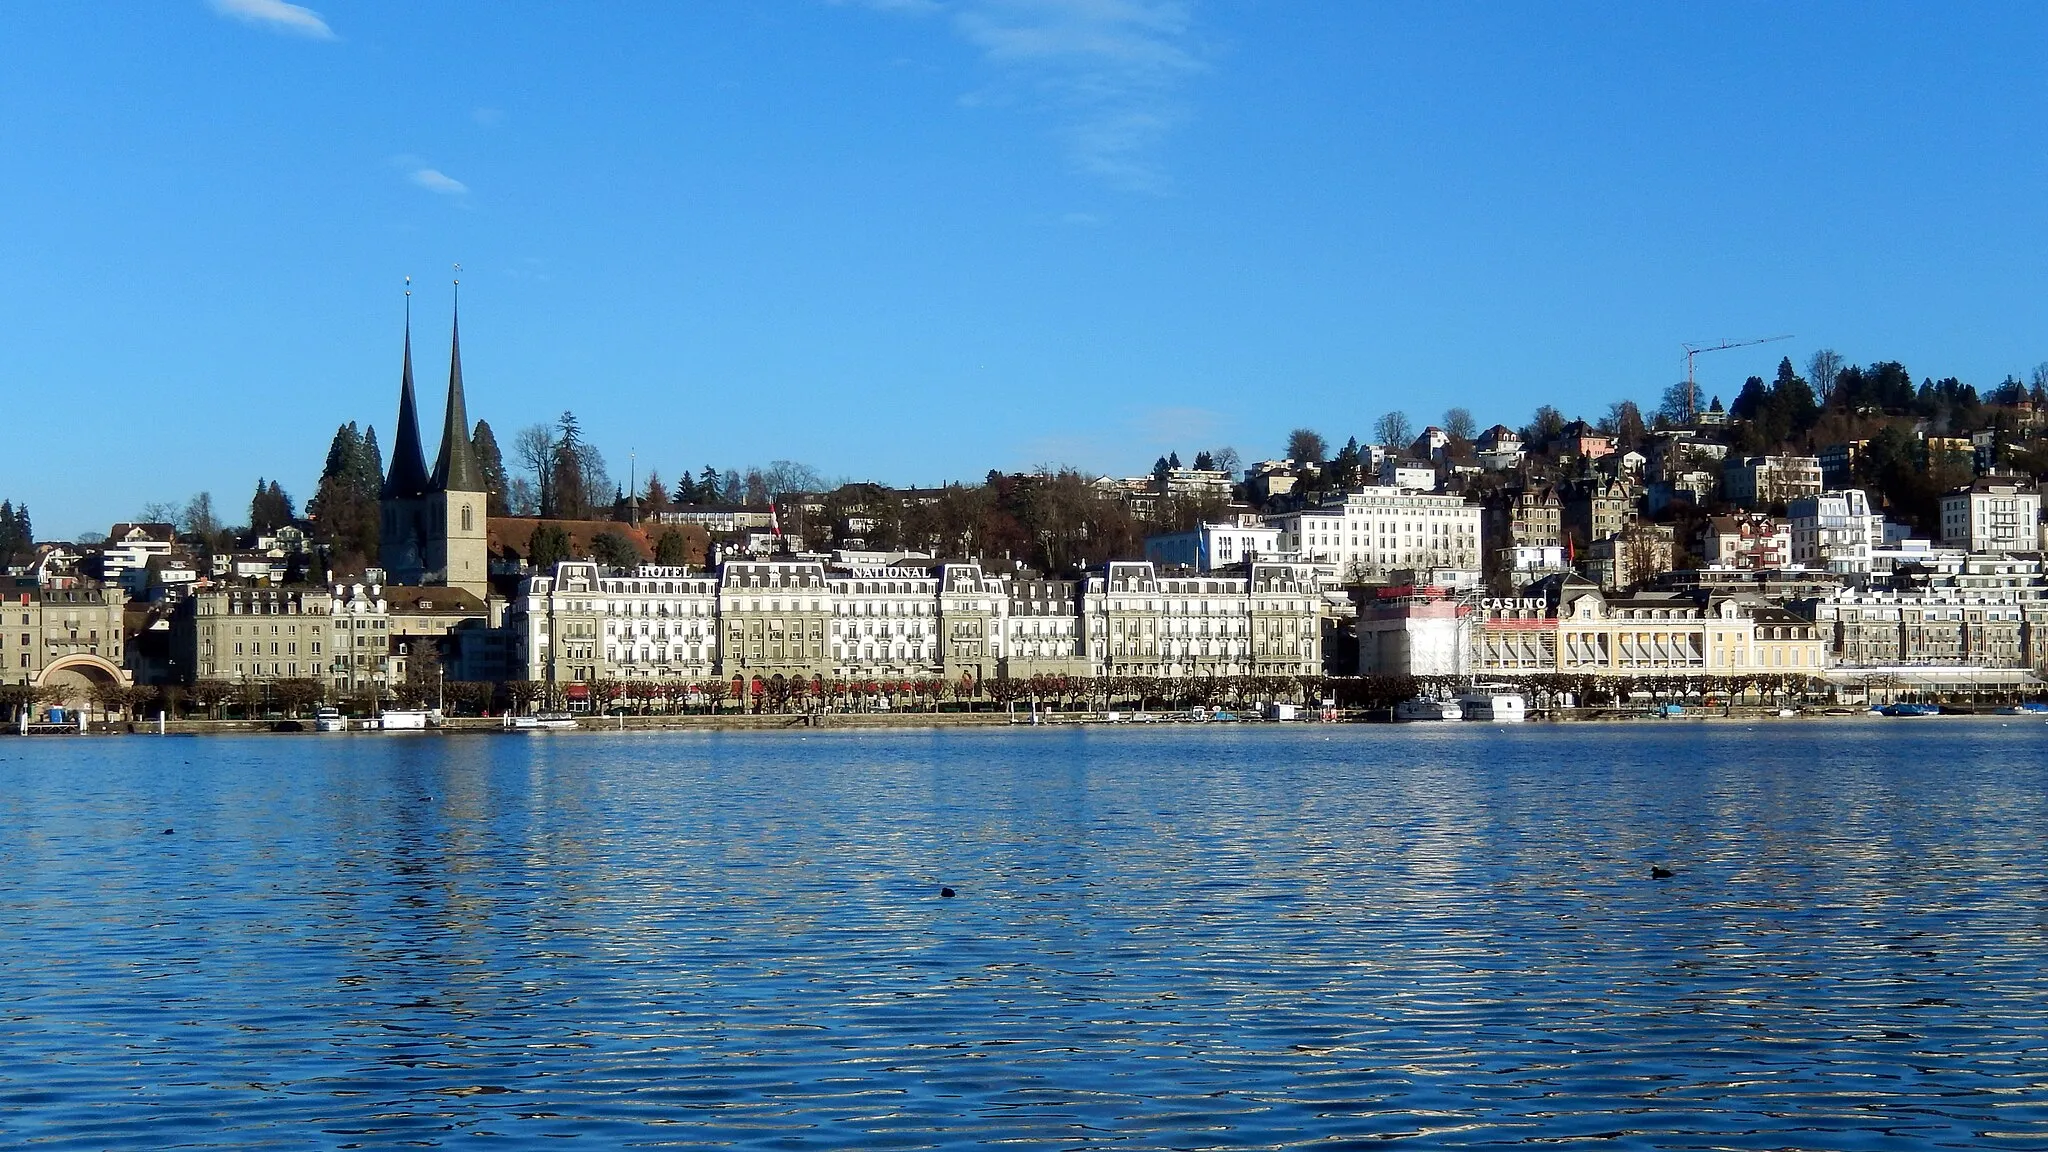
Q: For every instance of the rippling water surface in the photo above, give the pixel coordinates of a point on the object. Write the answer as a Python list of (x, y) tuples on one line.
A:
[(1241, 938)]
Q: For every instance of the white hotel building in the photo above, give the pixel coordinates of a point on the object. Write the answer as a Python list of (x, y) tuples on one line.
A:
[(800, 619), (885, 622), (582, 623), (1377, 530)]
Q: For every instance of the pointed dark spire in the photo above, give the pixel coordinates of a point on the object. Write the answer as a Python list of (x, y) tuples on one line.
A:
[(456, 470), (408, 475)]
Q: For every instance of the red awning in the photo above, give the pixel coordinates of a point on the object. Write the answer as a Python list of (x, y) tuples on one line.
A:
[(579, 692)]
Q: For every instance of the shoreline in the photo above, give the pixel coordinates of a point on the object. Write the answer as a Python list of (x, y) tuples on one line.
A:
[(922, 721)]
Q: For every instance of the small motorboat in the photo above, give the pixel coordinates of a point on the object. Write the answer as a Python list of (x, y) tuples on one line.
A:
[(1426, 709), (328, 719)]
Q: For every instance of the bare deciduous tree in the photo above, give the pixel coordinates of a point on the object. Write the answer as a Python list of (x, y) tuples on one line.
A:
[(535, 448), (1306, 446), (1822, 370), (1393, 430)]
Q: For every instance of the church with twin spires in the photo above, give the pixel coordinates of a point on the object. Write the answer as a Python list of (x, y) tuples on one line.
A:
[(433, 525)]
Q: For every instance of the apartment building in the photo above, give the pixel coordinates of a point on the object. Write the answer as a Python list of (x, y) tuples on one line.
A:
[(1635, 555), (1835, 531), (1771, 481), (68, 637), (1411, 475), (1208, 547), (1528, 516), (126, 555), (1751, 541), (1374, 531), (1992, 515), (360, 630), (1597, 508), (250, 635)]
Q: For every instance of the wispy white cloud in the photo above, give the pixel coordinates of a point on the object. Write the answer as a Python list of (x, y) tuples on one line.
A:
[(276, 15), (1109, 71), (435, 180)]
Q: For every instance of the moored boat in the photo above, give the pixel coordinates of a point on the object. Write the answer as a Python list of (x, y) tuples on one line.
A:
[(1425, 709), (1501, 707), (329, 719)]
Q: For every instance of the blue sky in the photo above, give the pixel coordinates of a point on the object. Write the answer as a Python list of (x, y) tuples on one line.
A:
[(914, 240)]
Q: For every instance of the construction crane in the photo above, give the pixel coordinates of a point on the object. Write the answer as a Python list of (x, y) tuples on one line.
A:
[(1692, 389)]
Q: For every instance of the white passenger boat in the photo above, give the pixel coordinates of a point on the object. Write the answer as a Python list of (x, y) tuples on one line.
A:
[(1501, 707), (1424, 708), (406, 720), (545, 722), (329, 720)]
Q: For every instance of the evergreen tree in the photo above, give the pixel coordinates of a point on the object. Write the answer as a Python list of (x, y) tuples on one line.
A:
[(547, 547), (708, 491), (342, 450), (672, 549), (1749, 403), (654, 500), (568, 498), (270, 509), (368, 473), (1347, 465), (491, 463), (611, 548), (1792, 400), (344, 506), (17, 536)]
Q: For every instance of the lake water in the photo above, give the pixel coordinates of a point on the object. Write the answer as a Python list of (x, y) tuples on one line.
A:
[(1189, 938)]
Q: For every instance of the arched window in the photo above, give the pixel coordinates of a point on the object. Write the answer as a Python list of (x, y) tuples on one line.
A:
[(468, 520)]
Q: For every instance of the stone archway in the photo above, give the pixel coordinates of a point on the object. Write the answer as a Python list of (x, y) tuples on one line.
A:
[(76, 676)]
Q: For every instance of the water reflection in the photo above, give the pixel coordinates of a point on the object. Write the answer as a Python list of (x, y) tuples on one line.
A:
[(1162, 939)]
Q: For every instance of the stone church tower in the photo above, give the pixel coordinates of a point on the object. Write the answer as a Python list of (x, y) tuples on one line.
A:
[(433, 526)]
